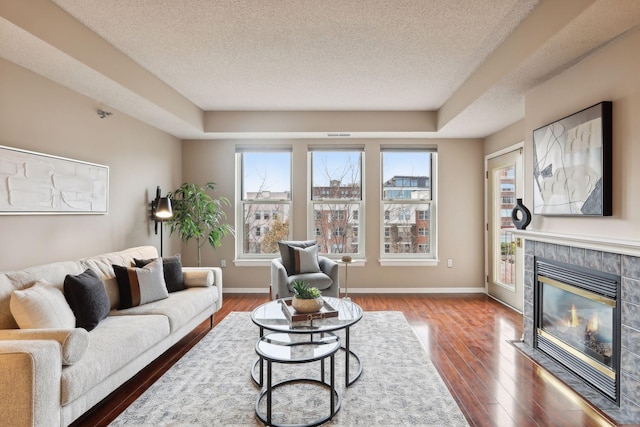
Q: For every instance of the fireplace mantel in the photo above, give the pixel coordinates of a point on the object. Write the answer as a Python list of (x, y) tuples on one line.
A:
[(621, 246)]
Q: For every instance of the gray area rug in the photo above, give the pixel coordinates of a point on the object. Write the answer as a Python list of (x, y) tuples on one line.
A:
[(211, 385)]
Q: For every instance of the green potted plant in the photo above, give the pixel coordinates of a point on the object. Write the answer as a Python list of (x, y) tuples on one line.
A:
[(197, 215), (306, 299)]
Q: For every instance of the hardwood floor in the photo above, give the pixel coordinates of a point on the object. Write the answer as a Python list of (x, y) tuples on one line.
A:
[(467, 337)]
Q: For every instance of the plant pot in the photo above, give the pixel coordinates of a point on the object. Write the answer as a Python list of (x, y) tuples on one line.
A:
[(307, 305)]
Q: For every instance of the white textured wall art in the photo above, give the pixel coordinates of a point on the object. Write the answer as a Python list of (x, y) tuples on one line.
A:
[(36, 183), (572, 164)]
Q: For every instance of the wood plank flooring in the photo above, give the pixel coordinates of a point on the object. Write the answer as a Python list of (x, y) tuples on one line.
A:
[(467, 338)]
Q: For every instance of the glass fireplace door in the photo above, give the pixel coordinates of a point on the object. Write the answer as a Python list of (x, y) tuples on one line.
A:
[(581, 320)]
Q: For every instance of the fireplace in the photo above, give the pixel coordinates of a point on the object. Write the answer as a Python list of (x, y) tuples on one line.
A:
[(577, 318)]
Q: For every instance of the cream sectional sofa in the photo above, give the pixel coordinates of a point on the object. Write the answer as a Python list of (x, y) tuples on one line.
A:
[(52, 377)]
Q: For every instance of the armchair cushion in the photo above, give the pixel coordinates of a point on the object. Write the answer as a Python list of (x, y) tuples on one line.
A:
[(315, 280)]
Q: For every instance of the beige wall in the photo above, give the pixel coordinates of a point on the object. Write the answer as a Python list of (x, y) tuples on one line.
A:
[(507, 137), (609, 74), (41, 116), (460, 213)]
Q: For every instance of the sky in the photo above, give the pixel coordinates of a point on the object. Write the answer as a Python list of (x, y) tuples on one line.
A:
[(271, 171)]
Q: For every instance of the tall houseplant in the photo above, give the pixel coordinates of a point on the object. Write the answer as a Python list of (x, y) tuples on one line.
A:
[(198, 215)]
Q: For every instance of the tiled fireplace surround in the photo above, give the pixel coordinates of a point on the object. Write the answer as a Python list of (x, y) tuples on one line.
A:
[(623, 260)]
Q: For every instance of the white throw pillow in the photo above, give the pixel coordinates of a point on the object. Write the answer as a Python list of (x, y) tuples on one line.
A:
[(305, 260), (42, 306)]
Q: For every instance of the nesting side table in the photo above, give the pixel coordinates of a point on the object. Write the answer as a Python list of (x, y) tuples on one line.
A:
[(286, 348)]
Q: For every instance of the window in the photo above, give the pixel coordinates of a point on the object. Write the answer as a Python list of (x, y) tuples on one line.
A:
[(508, 200), (264, 201), (407, 205), (336, 198)]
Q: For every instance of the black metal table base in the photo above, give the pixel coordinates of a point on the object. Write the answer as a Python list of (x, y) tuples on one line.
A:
[(267, 419)]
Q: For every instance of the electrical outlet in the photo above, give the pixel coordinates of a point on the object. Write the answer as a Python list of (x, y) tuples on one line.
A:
[(223, 263), (449, 263)]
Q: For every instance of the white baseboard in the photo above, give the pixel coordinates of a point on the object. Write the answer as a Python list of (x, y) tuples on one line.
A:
[(474, 290)]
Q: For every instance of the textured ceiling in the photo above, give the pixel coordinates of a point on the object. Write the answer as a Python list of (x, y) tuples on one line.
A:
[(330, 55), (306, 54)]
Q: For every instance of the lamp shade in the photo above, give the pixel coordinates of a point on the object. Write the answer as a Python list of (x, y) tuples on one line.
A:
[(163, 210)]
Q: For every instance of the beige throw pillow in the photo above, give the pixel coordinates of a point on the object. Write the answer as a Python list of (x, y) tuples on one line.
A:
[(42, 306), (198, 278)]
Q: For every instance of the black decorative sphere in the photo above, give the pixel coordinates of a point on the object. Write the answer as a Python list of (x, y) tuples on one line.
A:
[(525, 215)]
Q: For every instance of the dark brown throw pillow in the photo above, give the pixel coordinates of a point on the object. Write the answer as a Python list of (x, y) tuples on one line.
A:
[(87, 298)]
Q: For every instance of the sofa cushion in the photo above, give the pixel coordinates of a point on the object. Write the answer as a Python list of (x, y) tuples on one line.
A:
[(87, 298), (179, 308), (286, 246), (172, 271), (114, 343), (140, 286), (41, 306)]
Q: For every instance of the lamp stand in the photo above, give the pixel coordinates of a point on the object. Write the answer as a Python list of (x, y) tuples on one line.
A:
[(161, 238)]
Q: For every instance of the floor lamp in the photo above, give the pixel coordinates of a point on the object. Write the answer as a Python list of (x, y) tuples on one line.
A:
[(346, 260), (160, 211)]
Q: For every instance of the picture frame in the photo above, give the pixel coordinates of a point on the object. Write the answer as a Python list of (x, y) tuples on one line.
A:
[(37, 183), (572, 164)]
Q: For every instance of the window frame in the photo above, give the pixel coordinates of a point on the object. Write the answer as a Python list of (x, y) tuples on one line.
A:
[(358, 205), (275, 208), (419, 211)]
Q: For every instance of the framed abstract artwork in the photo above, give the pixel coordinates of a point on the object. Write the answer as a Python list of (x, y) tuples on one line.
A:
[(572, 164), (36, 183)]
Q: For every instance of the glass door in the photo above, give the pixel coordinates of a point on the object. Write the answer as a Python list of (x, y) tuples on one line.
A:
[(505, 259)]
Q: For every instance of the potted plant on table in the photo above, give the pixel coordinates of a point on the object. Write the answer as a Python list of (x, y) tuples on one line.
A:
[(197, 215), (306, 299)]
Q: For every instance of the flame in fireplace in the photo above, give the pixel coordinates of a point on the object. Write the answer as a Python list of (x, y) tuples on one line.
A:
[(593, 324), (573, 322)]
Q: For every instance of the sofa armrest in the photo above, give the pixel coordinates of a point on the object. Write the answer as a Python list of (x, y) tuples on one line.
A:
[(30, 382), (73, 342), (198, 273)]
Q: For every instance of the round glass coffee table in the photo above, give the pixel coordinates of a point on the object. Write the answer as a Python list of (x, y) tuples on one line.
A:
[(271, 317)]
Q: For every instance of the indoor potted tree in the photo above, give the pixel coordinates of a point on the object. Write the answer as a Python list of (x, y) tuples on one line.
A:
[(306, 299), (198, 215)]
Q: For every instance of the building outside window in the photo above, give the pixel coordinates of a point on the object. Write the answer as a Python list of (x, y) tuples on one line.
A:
[(265, 205), (336, 198), (407, 203)]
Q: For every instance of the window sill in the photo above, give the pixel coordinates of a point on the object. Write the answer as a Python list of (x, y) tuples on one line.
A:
[(252, 262), (408, 262)]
